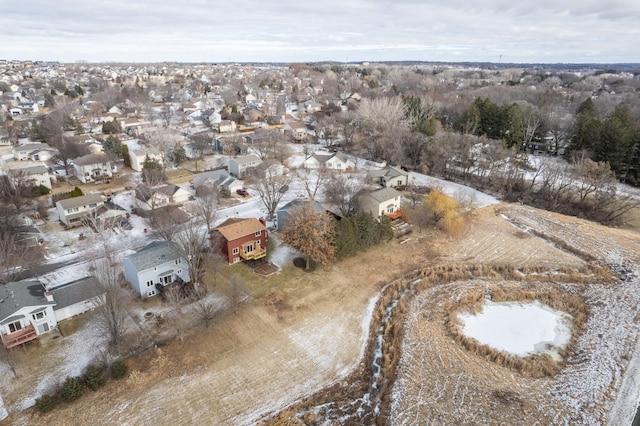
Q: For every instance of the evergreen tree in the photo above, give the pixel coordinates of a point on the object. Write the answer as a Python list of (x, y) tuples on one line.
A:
[(586, 130)]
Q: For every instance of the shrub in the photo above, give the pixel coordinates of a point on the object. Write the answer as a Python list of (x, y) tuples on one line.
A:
[(77, 192), (46, 403), (71, 389), (94, 377), (119, 369)]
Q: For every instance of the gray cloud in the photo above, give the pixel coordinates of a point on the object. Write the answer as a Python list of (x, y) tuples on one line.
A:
[(288, 30)]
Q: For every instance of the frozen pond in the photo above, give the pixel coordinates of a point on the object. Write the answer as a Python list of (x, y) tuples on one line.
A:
[(519, 328)]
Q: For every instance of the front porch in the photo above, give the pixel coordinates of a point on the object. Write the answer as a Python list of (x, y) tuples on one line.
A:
[(19, 337)]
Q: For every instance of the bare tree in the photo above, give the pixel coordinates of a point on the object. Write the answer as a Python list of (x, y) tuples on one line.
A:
[(206, 310), (206, 206), (15, 253), (238, 291), (192, 243), (67, 151), (341, 190), (271, 189), (313, 180), (8, 358), (111, 305)]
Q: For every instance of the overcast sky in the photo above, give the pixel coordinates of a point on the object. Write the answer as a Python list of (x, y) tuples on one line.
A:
[(545, 31)]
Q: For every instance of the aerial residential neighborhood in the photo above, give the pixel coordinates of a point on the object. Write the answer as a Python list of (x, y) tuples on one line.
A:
[(315, 243)]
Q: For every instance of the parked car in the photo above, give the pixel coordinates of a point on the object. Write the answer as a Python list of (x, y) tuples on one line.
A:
[(242, 192)]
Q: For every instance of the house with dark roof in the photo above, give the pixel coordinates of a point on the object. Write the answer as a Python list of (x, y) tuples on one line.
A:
[(155, 266), (76, 297), (26, 312), (220, 179), (242, 239)]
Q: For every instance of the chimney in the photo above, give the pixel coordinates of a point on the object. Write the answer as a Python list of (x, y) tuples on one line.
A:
[(263, 221), (48, 295)]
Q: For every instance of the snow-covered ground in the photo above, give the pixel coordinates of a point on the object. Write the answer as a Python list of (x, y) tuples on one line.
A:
[(520, 329), (464, 194)]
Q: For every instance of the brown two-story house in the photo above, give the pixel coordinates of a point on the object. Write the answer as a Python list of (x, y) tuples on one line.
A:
[(242, 239)]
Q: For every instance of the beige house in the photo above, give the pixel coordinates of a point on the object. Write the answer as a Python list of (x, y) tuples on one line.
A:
[(72, 211), (390, 177), (380, 201)]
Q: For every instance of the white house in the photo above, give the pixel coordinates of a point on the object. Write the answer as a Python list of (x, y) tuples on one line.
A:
[(34, 152), (380, 201), (76, 297), (155, 266), (270, 167), (238, 166), (72, 211), (335, 161), (94, 168), (31, 174), (26, 312), (151, 198), (139, 154)]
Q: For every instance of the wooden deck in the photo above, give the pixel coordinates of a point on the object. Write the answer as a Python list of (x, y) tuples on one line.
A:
[(19, 337)]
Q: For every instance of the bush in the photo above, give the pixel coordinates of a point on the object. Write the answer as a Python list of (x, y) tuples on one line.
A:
[(46, 403), (119, 369), (94, 377), (71, 389)]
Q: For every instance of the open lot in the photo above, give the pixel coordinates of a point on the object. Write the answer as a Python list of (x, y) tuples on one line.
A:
[(304, 332)]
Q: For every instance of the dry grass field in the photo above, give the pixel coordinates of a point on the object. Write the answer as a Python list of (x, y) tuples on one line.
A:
[(301, 351)]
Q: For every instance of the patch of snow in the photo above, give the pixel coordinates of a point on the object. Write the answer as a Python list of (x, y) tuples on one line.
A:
[(521, 329), (462, 193)]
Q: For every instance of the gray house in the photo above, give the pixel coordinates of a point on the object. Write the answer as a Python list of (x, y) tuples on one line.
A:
[(155, 266), (390, 176), (283, 212), (77, 297)]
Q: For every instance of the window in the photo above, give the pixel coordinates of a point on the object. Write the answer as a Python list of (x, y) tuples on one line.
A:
[(151, 293), (166, 279), (75, 209), (236, 250), (236, 259), (399, 182), (43, 328), (258, 233), (15, 326), (248, 248), (150, 283), (391, 208), (179, 271), (38, 315), (178, 261), (257, 242)]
